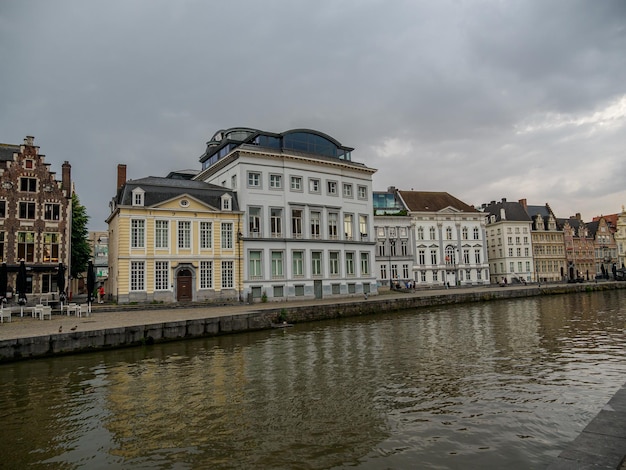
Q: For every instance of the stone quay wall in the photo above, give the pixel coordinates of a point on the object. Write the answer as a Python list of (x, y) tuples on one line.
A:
[(270, 316)]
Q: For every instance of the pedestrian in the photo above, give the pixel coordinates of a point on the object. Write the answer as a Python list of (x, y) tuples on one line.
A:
[(101, 294)]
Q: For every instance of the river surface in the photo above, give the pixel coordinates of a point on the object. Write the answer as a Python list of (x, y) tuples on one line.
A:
[(501, 384)]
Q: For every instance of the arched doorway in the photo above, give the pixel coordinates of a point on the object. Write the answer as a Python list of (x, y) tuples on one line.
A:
[(183, 286)]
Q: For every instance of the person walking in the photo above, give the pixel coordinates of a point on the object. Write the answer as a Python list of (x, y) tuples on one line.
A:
[(101, 294)]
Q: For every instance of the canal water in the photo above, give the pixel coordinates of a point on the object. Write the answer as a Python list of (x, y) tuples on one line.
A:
[(503, 384)]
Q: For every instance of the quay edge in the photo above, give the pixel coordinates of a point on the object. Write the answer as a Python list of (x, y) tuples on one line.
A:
[(262, 316)]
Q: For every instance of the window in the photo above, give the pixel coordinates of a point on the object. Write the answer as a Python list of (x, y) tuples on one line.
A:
[(52, 211), (137, 234), (227, 235), (206, 235), (314, 185), (465, 233), (276, 181), (348, 226), (333, 263), (184, 234), (161, 234), (332, 188), (420, 233), (466, 256), (296, 183), (362, 192), (365, 263), (404, 251), (277, 264), (254, 265), (27, 210), (476, 233), (137, 276), (233, 182), (422, 257), (332, 225), (137, 197), (347, 190), (349, 264), (2, 247), (432, 233), (50, 247), (161, 275), (433, 257), (363, 227), (254, 179), (227, 275), (227, 202), (316, 263), (405, 271), (423, 276), (296, 223), (206, 274), (29, 164), (254, 222), (276, 222), (3, 209), (383, 271), (26, 246), (28, 185), (477, 256), (315, 224), (448, 233), (297, 263)]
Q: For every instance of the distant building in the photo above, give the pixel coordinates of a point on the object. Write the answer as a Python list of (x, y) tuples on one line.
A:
[(173, 240), (308, 208), (605, 247), (509, 241), (450, 243), (579, 249), (35, 216)]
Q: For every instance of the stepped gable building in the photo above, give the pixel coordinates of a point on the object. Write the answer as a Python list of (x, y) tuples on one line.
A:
[(173, 240), (620, 237), (308, 229), (35, 216), (450, 243), (605, 247), (395, 252), (548, 243), (579, 249), (509, 242)]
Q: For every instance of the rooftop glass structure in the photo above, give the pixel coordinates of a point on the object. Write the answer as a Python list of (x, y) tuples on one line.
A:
[(299, 140)]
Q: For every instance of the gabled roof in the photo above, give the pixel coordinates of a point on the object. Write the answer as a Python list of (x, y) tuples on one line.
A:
[(158, 190), (512, 211), (431, 201)]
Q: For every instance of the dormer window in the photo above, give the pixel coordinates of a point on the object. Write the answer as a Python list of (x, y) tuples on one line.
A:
[(138, 197), (227, 202)]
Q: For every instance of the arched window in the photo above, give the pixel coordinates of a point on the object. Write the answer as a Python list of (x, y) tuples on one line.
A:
[(420, 233), (450, 255)]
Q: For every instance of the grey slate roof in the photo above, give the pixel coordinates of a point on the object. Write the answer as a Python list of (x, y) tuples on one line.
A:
[(513, 211), (7, 151), (159, 189)]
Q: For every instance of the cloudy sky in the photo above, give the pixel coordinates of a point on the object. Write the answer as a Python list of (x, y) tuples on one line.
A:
[(483, 99)]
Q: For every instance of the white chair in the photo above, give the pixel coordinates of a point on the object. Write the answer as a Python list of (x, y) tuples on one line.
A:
[(84, 309), (5, 313), (71, 308), (36, 310), (46, 311)]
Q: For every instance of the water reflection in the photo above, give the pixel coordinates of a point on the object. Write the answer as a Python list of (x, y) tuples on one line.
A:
[(482, 385)]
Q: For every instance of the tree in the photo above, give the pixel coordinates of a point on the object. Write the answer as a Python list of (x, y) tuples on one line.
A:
[(81, 251)]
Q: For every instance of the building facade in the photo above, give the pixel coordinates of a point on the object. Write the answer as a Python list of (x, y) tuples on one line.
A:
[(173, 240), (548, 244), (35, 216), (509, 242), (605, 248), (450, 244), (308, 228), (579, 249)]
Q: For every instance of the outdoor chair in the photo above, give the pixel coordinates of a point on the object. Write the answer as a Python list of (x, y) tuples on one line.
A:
[(46, 311), (84, 309), (5, 313)]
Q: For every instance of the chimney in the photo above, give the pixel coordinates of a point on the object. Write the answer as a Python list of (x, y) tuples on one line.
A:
[(502, 214), (66, 178), (578, 216), (503, 199), (29, 140), (121, 175), (523, 203), (391, 189)]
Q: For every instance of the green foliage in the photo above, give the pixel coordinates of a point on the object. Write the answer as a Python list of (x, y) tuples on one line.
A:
[(81, 251)]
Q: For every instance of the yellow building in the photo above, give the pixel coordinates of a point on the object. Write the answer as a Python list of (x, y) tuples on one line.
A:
[(173, 240)]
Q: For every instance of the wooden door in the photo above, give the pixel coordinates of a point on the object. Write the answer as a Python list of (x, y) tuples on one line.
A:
[(183, 286)]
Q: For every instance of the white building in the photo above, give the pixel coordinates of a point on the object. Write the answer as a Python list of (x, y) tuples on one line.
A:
[(308, 211), (509, 242), (450, 245)]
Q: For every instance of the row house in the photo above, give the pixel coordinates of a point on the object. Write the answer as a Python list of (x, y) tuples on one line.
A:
[(605, 247), (395, 239), (620, 237), (308, 228), (548, 243), (447, 237), (173, 240), (579, 249), (35, 216), (509, 242)]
